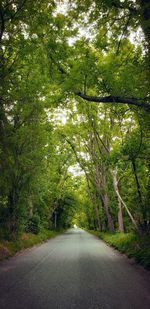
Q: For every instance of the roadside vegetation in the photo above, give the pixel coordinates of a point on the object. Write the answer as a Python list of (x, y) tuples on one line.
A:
[(133, 245), (26, 240)]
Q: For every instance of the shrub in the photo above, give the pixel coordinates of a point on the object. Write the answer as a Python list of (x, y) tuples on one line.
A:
[(134, 245), (33, 225)]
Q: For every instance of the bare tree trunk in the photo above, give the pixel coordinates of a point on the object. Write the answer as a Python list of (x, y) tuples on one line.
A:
[(136, 179), (120, 216), (98, 219), (139, 191), (101, 189), (108, 215), (115, 183)]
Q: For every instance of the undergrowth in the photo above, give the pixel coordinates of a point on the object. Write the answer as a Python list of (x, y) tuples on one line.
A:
[(27, 240), (133, 245)]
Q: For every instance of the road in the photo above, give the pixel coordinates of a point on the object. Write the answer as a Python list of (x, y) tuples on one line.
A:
[(74, 270)]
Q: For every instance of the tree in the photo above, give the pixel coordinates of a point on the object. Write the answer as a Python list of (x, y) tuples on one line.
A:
[(50, 66)]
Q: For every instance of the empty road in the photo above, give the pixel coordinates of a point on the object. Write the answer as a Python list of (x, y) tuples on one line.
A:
[(74, 270)]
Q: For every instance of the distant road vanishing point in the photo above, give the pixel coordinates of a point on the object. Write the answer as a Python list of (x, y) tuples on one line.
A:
[(74, 270)]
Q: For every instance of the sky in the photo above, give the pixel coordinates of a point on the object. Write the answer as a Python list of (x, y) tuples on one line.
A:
[(63, 5)]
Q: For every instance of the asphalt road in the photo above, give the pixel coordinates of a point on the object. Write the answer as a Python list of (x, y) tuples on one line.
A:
[(74, 270)]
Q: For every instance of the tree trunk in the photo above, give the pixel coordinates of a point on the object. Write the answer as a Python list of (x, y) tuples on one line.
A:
[(98, 219), (108, 215), (12, 221), (137, 180), (115, 182), (138, 188), (120, 216), (101, 189)]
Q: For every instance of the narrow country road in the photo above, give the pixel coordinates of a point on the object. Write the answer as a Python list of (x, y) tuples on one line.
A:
[(74, 270)]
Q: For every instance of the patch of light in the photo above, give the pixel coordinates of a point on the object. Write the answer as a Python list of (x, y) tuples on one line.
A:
[(59, 116), (114, 138), (84, 155), (137, 37), (75, 170), (62, 7), (42, 98)]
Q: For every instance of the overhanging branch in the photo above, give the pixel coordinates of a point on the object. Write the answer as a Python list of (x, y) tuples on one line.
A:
[(143, 103)]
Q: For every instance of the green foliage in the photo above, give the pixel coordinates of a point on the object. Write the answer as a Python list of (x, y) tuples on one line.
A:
[(27, 240), (33, 225), (133, 245)]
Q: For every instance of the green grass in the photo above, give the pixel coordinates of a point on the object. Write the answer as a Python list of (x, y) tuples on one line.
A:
[(131, 244), (27, 240)]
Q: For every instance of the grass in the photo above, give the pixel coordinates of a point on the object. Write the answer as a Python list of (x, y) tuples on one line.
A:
[(133, 245), (27, 240)]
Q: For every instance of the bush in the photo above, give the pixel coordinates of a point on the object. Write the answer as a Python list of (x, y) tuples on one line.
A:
[(133, 245), (26, 240), (33, 225)]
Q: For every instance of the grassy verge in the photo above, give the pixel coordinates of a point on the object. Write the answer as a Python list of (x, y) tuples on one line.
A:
[(27, 240), (131, 244)]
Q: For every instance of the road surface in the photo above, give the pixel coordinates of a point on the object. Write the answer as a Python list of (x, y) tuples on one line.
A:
[(74, 270)]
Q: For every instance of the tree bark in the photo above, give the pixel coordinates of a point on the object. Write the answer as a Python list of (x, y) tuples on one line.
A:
[(133, 161), (137, 180), (114, 172), (120, 216), (101, 189), (142, 103), (98, 219), (108, 215)]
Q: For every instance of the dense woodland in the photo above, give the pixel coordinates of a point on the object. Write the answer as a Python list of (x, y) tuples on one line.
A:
[(74, 115)]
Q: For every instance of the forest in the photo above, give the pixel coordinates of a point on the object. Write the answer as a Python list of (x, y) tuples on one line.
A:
[(74, 116)]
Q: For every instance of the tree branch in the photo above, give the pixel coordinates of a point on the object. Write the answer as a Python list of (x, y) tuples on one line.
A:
[(139, 102), (115, 99)]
